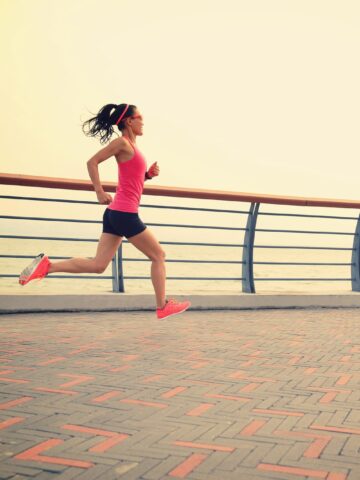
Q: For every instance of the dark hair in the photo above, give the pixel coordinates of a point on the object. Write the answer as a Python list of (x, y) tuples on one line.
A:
[(102, 124)]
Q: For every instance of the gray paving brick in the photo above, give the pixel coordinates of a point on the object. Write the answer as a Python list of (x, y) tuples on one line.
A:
[(236, 457), (320, 464), (352, 416), (276, 454), (341, 460), (125, 467), (271, 425), (18, 477), (47, 476), (37, 465), (12, 469), (305, 421), (96, 472), (212, 462), (256, 456), (214, 432), (236, 427), (244, 474), (163, 468), (354, 474), (69, 474), (141, 469), (351, 446), (144, 452)]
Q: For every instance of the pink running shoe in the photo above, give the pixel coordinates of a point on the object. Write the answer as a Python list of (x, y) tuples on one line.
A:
[(172, 307), (38, 268)]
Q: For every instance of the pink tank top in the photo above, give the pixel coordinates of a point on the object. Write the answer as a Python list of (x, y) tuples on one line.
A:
[(130, 184)]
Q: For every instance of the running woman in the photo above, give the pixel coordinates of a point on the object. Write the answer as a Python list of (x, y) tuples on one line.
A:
[(121, 217)]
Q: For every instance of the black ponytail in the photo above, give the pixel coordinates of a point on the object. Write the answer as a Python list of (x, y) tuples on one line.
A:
[(102, 124)]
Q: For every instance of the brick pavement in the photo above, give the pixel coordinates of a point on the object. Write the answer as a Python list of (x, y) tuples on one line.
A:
[(271, 394)]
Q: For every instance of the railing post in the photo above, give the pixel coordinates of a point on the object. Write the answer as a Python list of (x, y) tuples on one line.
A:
[(248, 285), (115, 282), (355, 260), (117, 272)]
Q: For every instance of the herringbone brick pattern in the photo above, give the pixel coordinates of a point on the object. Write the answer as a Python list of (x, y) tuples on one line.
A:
[(251, 395)]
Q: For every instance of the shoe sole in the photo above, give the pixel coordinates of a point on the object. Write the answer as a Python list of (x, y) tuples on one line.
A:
[(176, 313), (29, 270)]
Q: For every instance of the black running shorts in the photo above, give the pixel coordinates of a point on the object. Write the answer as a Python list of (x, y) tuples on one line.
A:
[(123, 224)]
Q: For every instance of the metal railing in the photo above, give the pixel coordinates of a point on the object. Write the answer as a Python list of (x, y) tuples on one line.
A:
[(253, 213)]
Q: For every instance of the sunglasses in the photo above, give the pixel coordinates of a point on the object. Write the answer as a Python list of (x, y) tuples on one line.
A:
[(136, 116)]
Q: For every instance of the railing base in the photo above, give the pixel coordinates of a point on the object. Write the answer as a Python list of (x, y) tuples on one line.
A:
[(145, 302)]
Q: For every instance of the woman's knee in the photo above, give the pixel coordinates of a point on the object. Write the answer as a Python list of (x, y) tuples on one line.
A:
[(100, 267), (158, 256)]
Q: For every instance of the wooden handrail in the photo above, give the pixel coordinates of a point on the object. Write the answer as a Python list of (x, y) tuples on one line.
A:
[(73, 184)]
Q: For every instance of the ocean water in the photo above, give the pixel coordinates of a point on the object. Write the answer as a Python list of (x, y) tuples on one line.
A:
[(339, 235)]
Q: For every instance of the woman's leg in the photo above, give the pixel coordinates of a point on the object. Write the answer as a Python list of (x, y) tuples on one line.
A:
[(148, 244), (106, 249)]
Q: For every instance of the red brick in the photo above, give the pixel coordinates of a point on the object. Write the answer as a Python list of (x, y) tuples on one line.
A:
[(278, 412), (252, 427), (250, 387), (120, 369), (91, 430), (145, 404), (13, 403), (343, 380), (197, 411), (317, 447), (153, 378), (206, 446), (10, 421), (199, 365), (227, 397), (294, 360), (328, 397), (186, 467), (41, 447), (13, 380), (55, 390), (32, 454), (78, 379), (337, 476), (130, 358), (238, 374), (52, 360), (345, 358), (106, 396), (173, 392), (110, 442), (305, 472)]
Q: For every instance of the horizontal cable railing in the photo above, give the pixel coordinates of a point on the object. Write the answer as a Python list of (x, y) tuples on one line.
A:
[(248, 244)]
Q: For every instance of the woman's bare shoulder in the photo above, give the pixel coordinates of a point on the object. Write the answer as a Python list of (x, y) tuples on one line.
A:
[(118, 144)]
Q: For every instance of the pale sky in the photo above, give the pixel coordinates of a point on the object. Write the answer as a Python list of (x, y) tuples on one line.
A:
[(250, 96)]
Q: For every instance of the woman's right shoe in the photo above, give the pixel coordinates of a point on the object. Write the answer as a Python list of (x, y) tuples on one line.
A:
[(38, 268), (172, 307)]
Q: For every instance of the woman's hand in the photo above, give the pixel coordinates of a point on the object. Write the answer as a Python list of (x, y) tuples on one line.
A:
[(154, 170), (104, 198)]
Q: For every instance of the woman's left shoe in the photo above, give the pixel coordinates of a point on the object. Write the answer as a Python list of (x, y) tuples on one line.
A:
[(172, 307), (38, 268)]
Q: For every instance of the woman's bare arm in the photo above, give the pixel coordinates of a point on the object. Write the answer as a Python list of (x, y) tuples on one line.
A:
[(114, 148)]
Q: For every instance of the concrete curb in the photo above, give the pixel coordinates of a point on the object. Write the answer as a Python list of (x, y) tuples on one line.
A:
[(145, 302)]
